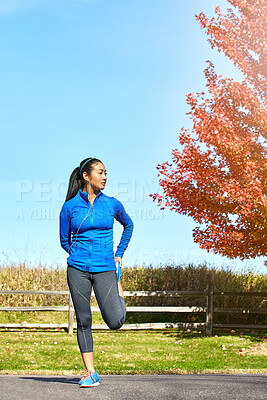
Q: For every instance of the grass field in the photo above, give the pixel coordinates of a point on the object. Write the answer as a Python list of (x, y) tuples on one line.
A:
[(134, 352), (175, 351)]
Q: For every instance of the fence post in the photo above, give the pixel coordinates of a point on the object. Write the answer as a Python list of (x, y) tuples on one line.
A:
[(209, 312), (71, 315)]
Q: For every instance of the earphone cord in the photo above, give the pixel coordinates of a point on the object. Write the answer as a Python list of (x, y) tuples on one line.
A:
[(79, 228)]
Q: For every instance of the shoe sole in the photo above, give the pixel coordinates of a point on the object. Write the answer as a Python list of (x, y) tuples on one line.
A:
[(93, 384)]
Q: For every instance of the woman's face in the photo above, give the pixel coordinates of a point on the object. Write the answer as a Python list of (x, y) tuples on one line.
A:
[(98, 176)]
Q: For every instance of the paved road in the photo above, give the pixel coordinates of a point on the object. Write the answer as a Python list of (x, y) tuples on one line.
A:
[(135, 387)]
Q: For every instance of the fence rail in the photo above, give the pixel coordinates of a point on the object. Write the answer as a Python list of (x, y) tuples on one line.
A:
[(209, 293)]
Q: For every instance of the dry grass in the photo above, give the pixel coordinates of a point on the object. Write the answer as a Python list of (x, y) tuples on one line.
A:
[(168, 277), (260, 349)]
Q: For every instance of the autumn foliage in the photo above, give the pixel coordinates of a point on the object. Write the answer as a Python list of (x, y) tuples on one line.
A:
[(219, 178)]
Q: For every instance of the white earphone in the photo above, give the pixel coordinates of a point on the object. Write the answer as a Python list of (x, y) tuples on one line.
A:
[(88, 213)]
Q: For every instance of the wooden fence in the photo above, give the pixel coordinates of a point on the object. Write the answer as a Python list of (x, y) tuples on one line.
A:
[(209, 310)]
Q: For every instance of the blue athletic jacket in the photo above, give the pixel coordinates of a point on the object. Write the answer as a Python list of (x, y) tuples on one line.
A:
[(86, 231)]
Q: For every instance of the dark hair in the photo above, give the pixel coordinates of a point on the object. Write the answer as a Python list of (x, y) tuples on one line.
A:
[(76, 180)]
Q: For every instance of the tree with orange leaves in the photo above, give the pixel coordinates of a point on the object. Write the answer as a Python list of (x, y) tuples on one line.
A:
[(220, 176)]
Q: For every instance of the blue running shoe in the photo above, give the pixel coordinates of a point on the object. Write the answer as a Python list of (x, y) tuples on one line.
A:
[(118, 272), (89, 379)]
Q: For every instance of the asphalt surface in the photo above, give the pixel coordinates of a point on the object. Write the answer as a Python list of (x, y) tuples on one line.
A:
[(135, 387)]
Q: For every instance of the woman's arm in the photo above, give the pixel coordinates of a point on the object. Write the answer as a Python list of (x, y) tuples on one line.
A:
[(64, 228), (122, 216)]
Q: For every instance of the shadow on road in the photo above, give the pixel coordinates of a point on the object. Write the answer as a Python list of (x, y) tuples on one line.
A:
[(53, 379)]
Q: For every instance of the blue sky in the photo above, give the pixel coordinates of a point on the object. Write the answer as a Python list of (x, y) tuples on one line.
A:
[(104, 79)]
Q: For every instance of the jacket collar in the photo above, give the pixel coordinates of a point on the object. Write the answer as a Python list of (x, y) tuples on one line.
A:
[(85, 196)]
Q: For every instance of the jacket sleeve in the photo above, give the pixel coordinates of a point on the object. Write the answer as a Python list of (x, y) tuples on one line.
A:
[(65, 228), (122, 216)]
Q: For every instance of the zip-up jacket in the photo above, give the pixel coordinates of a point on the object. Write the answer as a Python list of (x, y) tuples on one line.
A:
[(86, 231)]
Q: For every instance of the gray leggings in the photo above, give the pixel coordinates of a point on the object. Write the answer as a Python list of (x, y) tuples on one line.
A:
[(111, 304)]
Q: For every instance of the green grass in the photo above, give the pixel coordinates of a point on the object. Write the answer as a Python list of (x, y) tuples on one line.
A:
[(133, 352), (42, 317)]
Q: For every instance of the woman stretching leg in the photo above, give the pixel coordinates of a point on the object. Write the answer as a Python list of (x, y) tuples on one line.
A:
[(86, 233), (111, 304)]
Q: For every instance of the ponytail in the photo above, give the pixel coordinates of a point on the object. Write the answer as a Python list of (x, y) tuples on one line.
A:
[(75, 183), (76, 180)]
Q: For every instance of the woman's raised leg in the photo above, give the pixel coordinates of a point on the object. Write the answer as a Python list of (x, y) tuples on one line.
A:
[(111, 303)]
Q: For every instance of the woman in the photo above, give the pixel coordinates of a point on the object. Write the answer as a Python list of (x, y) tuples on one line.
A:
[(86, 233)]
